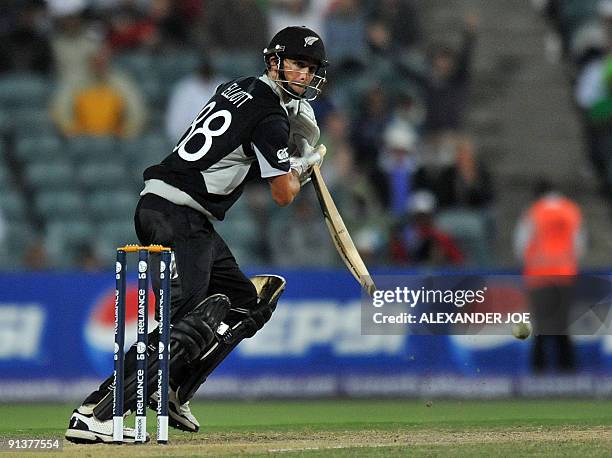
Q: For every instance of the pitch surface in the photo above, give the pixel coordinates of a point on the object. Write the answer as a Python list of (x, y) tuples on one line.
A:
[(343, 428)]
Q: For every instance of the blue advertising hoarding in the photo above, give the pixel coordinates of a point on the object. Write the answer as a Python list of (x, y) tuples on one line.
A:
[(56, 339)]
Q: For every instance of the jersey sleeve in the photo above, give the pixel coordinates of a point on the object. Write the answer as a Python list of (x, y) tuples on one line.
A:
[(270, 143)]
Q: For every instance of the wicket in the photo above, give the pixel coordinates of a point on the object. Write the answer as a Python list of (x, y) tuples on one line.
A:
[(142, 342)]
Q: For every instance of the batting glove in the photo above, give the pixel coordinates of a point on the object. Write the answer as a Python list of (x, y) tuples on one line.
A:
[(302, 124), (303, 164)]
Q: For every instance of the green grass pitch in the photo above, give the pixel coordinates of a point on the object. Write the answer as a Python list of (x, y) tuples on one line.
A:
[(347, 428)]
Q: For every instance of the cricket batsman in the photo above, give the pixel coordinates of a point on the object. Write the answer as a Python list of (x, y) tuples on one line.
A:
[(253, 127)]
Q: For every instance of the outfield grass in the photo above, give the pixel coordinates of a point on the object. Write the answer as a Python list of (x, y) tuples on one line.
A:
[(357, 428)]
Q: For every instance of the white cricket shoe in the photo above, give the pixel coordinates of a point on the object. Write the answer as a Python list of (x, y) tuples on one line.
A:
[(85, 428), (179, 415)]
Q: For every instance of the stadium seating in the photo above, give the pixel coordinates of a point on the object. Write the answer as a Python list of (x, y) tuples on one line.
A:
[(91, 148), (13, 206), (111, 204), (23, 90), (59, 205), (19, 236), (64, 237), (55, 175), (4, 173), (4, 121), (173, 66), (137, 64), (112, 234), (143, 152), (154, 90), (240, 232), (26, 121), (38, 148), (236, 64), (101, 175)]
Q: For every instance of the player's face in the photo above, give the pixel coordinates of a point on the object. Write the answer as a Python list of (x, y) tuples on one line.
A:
[(299, 73)]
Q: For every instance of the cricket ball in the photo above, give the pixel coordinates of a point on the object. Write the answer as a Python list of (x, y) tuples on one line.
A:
[(521, 330)]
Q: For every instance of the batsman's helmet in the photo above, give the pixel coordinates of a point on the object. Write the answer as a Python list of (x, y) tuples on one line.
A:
[(298, 42)]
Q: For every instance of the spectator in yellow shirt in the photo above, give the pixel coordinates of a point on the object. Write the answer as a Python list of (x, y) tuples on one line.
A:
[(107, 103)]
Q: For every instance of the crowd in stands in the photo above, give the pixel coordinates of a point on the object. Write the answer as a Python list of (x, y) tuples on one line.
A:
[(583, 31), (124, 78)]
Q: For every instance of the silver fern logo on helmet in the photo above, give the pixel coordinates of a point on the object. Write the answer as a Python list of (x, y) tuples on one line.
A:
[(309, 41)]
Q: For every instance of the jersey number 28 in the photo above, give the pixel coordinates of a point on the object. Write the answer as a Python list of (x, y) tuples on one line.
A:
[(205, 131)]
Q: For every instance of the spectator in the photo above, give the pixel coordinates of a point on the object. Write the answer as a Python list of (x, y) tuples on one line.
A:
[(397, 166), (284, 13), (351, 188), (131, 28), (408, 111), (345, 31), (174, 20), (594, 97), (568, 16), (26, 47), (415, 239), (594, 27), (381, 59), (379, 39), (446, 84), (107, 103), (155, 25), (589, 41), (73, 41), (550, 239), (604, 10), (334, 133), (236, 32), (463, 188), (465, 182), (370, 244), (368, 128), (187, 98), (401, 18), (237, 26)]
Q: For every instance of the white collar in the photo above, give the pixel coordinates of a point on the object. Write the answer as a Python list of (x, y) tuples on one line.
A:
[(281, 94)]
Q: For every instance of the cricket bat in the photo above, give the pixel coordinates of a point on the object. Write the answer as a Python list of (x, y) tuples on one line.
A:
[(339, 234)]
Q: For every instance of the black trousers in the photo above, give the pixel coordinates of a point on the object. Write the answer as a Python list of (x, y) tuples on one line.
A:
[(552, 346), (204, 265)]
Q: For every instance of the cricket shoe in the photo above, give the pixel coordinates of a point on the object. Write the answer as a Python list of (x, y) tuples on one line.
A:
[(179, 415), (85, 428)]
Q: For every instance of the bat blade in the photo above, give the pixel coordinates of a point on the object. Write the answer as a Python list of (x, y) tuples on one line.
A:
[(340, 235)]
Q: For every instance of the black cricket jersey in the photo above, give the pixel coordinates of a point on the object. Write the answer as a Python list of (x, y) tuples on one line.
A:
[(241, 134)]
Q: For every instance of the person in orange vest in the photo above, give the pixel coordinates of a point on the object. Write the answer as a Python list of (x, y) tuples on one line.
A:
[(550, 240)]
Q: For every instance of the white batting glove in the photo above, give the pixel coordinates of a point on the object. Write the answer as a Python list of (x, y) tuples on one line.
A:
[(303, 165), (302, 124)]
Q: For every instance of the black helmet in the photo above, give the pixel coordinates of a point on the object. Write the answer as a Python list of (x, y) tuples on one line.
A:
[(298, 42)]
